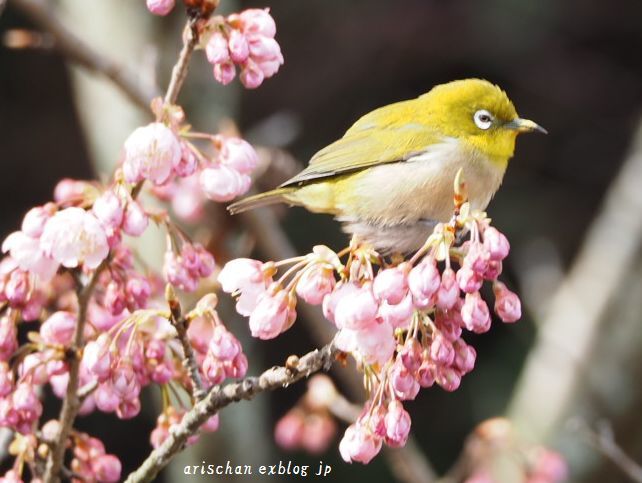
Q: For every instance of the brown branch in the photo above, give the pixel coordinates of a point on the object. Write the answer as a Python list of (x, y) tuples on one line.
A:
[(219, 397), (179, 72), (189, 359), (41, 13), (604, 442), (71, 403)]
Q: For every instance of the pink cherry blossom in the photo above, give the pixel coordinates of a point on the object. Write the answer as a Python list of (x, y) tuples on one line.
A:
[(358, 444), (318, 432), (238, 46), (224, 72), (315, 283), (403, 382), (475, 314), (274, 313), (239, 155), (507, 304), (74, 236), (399, 315), (150, 153), (424, 281), (251, 75), (391, 285), (107, 467), (358, 310), (160, 7), (216, 49), (58, 328), (448, 292), (29, 255), (109, 210), (288, 431), (135, 220), (222, 183), (397, 422), (258, 21), (496, 244), (34, 221)]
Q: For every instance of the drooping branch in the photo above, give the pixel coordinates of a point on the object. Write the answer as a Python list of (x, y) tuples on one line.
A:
[(42, 14), (221, 396)]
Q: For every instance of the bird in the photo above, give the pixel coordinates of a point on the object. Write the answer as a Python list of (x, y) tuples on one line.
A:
[(389, 179)]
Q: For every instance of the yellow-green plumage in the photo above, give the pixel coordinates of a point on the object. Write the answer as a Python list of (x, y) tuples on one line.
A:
[(390, 177)]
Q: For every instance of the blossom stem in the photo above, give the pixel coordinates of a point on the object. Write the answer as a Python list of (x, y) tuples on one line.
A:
[(71, 403), (179, 72), (220, 396)]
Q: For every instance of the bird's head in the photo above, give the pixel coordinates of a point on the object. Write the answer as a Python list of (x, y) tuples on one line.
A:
[(478, 113)]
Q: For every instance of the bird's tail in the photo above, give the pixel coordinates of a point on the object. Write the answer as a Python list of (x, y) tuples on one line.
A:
[(275, 196)]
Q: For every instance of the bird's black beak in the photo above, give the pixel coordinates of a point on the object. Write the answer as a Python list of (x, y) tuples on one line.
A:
[(524, 125)]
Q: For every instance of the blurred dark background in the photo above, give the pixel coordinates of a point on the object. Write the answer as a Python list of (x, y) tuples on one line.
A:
[(574, 66)]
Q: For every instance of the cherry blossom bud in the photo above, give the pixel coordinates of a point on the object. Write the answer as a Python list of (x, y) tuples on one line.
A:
[(216, 49), (262, 47), (474, 313), (400, 315), (29, 256), (359, 445), (397, 423), (258, 21), (315, 283), (330, 301), (442, 351), (238, 45), (507, 304), (477, 258), (34, 221), (107, 467), (549, 467), (357, 311), (73, 236), (239, 273), (138, 291), (114, 299), (426, 373), (129, 409), (124, 382), (97, 357), (496, 244), (239, 155), (288, 431), (375, 343), (160, 7), (150, 153), (8, 337), (448, 378), (222, 183), (17, 288), (6, 379), (448, 292), (411, 354), (272, 315), (224, 72), (403, 382), (465, 356), (136, 220), (424, 281), (188, 163), (469, 280), (58, 328), (223, 345), (391, 285), (251, 75)]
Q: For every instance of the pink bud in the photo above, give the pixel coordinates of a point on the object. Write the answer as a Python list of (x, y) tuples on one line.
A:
[(449, 322), (216, 49), (474, 313), (160, 7), (426, 373), (150, 153), (106, 468), (507, 304), (97, 357), (223, 345), (258, 21), (251, 75), (6, 379), (411, 354), (222, 183), (58, 328), (238, 45), (358, 310), (239, 273), (224, 72), (238, 367), (8, 337), (124, 382), (239, 155), (114, 299), (496, 244), (448, 378), (211, 424), (264, 48), (331, 300), (465, 356), (136, 221), (477, 258), (17, 288), (358, 444), (70, 191), (375, 343), (138, 290), (316, 282), (469, 280), (272, 315), (188, 164), (288, 431), (391, 285), (424, 282), (448, 292), (400, 315), (129, 409), (442, 351), (397, 425), (403, 382)]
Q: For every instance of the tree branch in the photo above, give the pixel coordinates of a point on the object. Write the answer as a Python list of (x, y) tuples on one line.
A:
[(221, 396), (41, 13)]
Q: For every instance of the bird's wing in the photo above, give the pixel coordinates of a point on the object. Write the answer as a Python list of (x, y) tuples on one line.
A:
[(386, 135)]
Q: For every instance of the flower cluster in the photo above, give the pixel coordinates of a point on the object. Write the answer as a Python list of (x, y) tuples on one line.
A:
[(403, 323), (245, 40), (170, 418)]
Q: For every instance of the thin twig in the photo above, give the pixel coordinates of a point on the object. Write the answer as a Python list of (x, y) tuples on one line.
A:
[(71, 403), (179, 72), (604, 442), (221, 396), (189, 359), (41, 13)]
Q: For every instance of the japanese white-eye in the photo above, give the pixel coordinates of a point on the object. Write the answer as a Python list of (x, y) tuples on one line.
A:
[(389, 179)]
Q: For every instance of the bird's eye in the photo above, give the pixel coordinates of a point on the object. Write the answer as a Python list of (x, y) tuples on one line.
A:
[(483, 119)]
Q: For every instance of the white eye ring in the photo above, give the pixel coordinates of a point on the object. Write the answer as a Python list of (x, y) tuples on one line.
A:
[(483, 119)]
